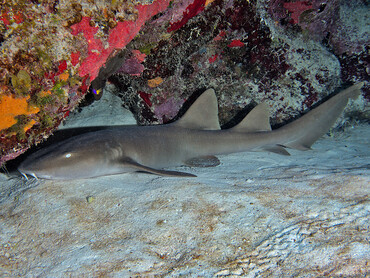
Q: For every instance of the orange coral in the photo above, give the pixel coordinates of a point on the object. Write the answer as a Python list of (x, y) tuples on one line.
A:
[(45, 93), (11, 107), (208, 2), (29, 125), (64, 76), (155, 82)]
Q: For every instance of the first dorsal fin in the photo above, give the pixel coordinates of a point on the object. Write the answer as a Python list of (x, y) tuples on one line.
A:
[(256, 120), (203, 114)]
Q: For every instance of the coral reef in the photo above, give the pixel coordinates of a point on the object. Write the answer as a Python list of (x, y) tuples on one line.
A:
[(50, 52), (203, 51), (238, 48)]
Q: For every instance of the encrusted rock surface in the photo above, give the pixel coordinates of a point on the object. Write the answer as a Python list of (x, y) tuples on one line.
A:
[(50, 52)]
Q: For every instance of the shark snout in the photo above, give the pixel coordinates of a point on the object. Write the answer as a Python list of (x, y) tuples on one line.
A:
[(25, 168), (36, 165)]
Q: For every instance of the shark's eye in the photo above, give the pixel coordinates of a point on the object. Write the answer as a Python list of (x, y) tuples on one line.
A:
[(68, 155)]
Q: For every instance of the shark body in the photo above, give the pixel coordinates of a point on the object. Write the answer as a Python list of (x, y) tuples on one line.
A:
[(192, 140)]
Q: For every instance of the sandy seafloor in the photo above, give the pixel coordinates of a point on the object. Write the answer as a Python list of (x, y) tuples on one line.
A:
[(255, 215)]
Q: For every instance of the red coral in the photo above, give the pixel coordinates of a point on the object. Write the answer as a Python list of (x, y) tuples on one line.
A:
[(119, 37), (297, 8), (236, 43), (138, 55), (95, 47), (6, 18), (75, 58), (145, 97), (18, 18), (213, 58), (220, 36), (124, 32), (62, 66), (83, 88), (192, 10)]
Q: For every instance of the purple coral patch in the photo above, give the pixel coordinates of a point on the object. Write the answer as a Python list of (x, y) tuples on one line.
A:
[(168, 110), (132, 66)]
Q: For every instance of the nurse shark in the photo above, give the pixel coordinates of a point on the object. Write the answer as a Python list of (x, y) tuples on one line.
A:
[(193, 140)]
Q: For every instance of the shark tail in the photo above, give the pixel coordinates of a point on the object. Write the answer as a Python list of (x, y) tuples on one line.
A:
[(302, 133)]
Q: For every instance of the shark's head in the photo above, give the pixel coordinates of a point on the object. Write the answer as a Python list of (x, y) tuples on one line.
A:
[(66, 160)]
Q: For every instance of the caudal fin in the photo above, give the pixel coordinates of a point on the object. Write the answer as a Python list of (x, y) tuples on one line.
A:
[(302, 133)]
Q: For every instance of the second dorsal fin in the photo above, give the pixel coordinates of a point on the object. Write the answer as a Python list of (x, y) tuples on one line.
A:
[(203, 114), (256, 120)]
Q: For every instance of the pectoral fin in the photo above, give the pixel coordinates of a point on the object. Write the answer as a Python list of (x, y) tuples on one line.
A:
[(139, 167), (203, 161)]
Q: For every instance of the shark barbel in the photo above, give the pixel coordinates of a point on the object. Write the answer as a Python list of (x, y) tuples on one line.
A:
[(192, 140)]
